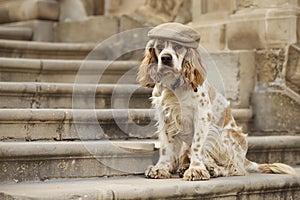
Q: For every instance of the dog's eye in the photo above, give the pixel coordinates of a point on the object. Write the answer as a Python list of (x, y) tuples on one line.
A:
[(160, 47), (177, 47)]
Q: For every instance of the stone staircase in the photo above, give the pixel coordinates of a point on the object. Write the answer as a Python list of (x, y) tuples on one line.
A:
[(57, 133), (71, 134)]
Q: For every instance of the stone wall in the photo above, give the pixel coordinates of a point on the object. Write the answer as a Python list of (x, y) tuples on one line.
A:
[(269, 28)]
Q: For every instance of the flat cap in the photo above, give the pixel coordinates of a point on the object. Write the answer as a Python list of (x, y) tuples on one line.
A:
[(179, 33)]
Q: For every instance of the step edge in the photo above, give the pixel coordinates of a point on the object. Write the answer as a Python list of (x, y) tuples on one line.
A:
[(132, 187), (68, 114)]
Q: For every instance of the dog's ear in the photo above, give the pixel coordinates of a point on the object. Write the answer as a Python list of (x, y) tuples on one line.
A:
[(193, 69), (147, 66)]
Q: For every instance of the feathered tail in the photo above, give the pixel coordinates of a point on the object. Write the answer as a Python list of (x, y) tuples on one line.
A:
[(275, 168)]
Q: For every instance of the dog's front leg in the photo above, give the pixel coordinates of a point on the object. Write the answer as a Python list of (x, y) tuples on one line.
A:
[(202, 120), (167, 158), (197, 169)]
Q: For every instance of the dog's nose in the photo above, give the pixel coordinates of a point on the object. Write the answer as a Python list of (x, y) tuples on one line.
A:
[(166, 59)]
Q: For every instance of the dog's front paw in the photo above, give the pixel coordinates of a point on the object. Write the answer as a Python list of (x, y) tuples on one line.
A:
[(157, 172), (194, 174)]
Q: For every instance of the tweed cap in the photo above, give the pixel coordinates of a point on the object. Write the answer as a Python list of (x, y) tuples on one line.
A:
[(176, 32)]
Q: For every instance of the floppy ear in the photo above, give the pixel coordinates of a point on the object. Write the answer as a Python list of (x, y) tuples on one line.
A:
[(147, 66), (193, 69)]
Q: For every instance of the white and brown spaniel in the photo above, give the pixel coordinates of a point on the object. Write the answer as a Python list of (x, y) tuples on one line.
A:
[(199, 136)]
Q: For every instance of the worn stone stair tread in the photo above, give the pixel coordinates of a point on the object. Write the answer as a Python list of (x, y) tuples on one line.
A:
[(37, 161), (252, 186), (231, 72), (51, 50), (7, 64), (75, 124), (86, 124), (67, 95), (57, 114), (49, 149), (70, 71), (16, 33), (40, 160)]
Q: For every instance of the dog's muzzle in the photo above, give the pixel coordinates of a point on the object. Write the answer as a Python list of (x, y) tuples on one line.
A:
[(166, 59)]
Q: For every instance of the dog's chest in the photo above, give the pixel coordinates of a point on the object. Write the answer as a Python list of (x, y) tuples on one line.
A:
[(175, 113)]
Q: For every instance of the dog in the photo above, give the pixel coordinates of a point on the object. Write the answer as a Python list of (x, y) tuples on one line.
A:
[(198, 134)]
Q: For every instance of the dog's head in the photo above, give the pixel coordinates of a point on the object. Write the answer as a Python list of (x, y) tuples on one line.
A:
[(171, 58)]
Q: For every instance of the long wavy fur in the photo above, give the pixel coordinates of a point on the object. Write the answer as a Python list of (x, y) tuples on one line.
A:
[(148, 64)]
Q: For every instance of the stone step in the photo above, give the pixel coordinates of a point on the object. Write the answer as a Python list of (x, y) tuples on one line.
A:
[(84, 124), (39, 161), (15, 33), (41, 30), (252, 186), (79, 96), (49, 50), (107, 50), (46, 160), (76, 124), (67, 71), (231, 72)]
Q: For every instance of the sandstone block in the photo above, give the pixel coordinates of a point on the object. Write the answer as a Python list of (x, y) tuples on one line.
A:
[(72, 10), (15, 33), (212, 36), (94, 29), (275, 112), (272, 28), (248, 34), (29, 9), (270, 64), (39, 161), (293, 68), (237, 68), (25, 49), (128, 22), (242, 4), (42, 30)]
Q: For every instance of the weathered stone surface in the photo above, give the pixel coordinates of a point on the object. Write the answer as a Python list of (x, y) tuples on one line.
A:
[(275, 111), (93, 29), (273, 149), (253, 186), (212, 10), (71, 71), (11, 11), (269, 64), (265, 3), (156, 11), (120, 7), (15, 33), (42, 30), (237, 69), (212, 36), (25, 49), (262, 29), (293, 68), (84, 124), (84, 96), (128, 22), (73, 124), (40, 161), (72, 10)]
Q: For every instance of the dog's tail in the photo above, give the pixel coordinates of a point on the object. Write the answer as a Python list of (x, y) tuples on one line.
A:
[(275, 168)]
